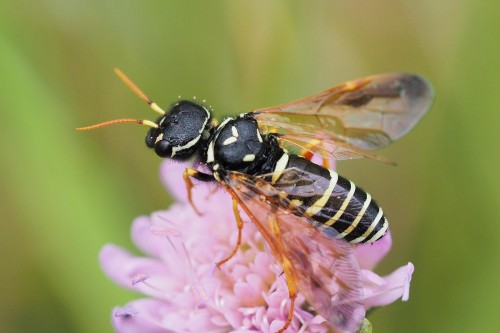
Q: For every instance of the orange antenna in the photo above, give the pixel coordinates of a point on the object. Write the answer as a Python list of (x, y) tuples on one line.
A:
[(138, 92), (119, 121)]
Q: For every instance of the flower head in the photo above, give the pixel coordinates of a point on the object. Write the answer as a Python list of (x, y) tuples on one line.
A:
[(184, 290)]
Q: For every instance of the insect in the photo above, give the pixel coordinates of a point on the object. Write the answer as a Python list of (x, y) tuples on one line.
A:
[(310, 216)]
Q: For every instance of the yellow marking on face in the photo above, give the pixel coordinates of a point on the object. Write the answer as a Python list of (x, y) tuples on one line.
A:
[(159, 137)]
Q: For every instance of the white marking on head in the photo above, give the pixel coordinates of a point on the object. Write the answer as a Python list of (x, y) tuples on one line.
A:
[(249, 158), (159, 137), (195, 140), (229, 140), (186, 146), (234, 130), (216, 167)]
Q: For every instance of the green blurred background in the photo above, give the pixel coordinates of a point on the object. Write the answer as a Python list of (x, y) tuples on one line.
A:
[(65, 194)]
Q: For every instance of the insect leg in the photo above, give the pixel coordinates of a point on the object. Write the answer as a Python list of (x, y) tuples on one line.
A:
[(193, 173), (239, 223), (288, 270)]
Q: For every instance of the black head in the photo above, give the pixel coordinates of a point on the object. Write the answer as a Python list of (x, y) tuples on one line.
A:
[(177, 134), (180, 131)]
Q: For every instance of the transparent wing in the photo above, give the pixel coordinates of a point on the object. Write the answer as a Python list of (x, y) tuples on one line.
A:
[(323, 268), (352, 117)]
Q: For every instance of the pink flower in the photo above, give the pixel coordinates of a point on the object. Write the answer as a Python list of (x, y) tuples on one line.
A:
[(184, 290)]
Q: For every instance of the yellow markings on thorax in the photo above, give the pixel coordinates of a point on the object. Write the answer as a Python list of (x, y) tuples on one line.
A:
[(354, 224), (249, 158), (280, 166), (230, 140), (342, 208), (370, 228), (320, 203), (234, 131)]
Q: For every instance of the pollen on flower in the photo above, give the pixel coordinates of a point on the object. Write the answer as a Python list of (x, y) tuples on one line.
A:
[(186, 292)]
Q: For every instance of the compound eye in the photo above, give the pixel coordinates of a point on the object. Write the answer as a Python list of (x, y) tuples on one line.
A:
[(150, 139), (163, 148)]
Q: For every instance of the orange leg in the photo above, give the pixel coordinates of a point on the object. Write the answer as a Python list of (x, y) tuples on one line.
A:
[(275, 242), (239, 223), (289, 274), (193, 173), (290, 312)]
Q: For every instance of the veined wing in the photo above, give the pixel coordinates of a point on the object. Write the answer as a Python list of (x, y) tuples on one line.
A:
[(352, 117), (323, 268)]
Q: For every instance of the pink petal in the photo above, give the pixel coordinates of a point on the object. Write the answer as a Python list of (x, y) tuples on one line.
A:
[(124, 268), (233, 316), (171, 176), (190, 321), (383, 291), (277, 325), (145, 240), (247, 294), (369, 255)]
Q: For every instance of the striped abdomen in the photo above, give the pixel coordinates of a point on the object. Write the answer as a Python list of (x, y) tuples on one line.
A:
[(329, 200)]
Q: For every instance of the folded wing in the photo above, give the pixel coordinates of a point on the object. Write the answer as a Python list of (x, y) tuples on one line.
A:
[(323, 268)]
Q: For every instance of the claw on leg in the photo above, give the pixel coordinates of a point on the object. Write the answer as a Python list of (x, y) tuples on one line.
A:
[(290, 314), (239, 223)]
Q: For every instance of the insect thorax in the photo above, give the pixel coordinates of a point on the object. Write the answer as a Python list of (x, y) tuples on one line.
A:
[(238, 145)]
